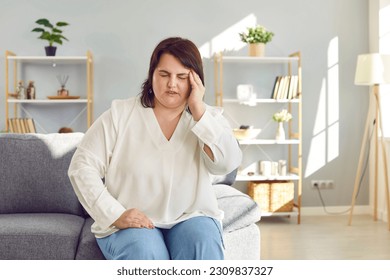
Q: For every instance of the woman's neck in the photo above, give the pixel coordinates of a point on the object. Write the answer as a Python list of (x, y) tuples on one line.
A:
[(167, 119)]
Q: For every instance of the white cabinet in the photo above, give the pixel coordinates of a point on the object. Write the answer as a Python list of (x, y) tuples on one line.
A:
[(261, 73), (47, 105)]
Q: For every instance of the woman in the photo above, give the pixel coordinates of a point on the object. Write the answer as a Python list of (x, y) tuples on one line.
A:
[(156, 153)]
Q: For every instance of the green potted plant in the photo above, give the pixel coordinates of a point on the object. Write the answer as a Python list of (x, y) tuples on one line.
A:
[(256, 37), (51, 33)]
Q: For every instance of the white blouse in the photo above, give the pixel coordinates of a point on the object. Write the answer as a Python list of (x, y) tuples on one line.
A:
[(168, 180)]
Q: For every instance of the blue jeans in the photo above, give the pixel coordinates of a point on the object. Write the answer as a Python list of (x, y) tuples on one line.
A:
[(198, 238)]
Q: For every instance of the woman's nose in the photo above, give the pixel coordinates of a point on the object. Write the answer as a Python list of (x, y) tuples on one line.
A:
[(171, 82)]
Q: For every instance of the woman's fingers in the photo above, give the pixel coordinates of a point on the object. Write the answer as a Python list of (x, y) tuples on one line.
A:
[(195, 99), (195, 80), (140, 219), (133, 218)]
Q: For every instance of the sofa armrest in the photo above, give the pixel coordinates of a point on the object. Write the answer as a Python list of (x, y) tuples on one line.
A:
[(240, 210)]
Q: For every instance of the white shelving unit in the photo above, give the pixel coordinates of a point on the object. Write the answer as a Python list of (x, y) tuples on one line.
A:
[(259, 101), (293, 138), (48, 101), (14, 65)]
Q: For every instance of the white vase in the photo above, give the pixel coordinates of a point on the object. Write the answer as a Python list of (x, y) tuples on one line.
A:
[(280, 134)]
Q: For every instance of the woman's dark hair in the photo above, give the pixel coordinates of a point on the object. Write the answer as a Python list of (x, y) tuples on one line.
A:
[(184, 50)]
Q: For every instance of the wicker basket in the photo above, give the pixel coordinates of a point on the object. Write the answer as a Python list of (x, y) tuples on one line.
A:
[(273, 196)]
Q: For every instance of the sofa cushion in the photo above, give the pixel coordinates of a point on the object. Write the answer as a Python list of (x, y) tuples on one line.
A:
[(88, 248), (34, 176), (39, 236), (240, 210), (243, 244)]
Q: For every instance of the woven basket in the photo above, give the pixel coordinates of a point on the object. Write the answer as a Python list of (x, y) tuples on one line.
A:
[(273, 196)]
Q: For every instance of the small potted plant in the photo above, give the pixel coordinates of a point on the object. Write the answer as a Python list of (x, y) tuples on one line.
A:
[(256, 38), (280, 117), (52, 33)]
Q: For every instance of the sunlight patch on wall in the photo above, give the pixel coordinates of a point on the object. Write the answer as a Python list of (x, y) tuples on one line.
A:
[(324, 146), (333, 99), (228, 40), (333, 141), (320, 120), (316, 158), (333, 95)]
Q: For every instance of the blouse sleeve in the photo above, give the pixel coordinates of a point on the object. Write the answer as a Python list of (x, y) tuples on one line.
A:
[(88, 168), (214, 131)]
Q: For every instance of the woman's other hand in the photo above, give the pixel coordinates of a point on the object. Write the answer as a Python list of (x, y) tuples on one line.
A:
[(133, 218)]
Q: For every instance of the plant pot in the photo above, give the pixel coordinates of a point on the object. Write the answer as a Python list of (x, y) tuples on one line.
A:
[(50, 50), (256, 49)]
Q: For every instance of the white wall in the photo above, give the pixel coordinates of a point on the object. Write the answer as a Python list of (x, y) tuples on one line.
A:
[(121, 34)]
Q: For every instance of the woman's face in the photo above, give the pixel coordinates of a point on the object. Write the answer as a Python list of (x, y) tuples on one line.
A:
[(171, 84)]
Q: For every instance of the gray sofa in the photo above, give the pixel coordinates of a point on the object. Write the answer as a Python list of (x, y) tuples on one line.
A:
[(41, 217)]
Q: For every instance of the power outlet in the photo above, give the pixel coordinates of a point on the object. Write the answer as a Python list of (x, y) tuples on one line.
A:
[(322, 184)]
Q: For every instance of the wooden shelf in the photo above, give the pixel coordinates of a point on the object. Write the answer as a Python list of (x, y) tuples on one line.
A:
[(292, 213), (47, 101), (259, 101), (251, 59), (49, 59), (257, 177), (269, 142)]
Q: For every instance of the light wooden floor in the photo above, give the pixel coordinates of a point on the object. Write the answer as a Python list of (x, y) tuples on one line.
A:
[(324, 238)]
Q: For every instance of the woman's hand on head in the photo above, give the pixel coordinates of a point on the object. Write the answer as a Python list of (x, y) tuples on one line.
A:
[(195, 99), (133, 218)]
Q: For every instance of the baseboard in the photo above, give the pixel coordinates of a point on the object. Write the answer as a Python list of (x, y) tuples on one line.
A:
[(343, 210), (335, 210)]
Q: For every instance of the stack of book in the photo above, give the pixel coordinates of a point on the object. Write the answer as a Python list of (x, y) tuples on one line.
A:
[(285, 87), (21, 125)]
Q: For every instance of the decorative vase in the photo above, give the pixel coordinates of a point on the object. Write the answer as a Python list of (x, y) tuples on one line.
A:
[(280, 134), (50, 50), (63, 91), (256, 49)]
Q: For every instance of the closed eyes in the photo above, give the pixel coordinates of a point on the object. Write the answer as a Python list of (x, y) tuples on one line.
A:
[(181, 76)]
